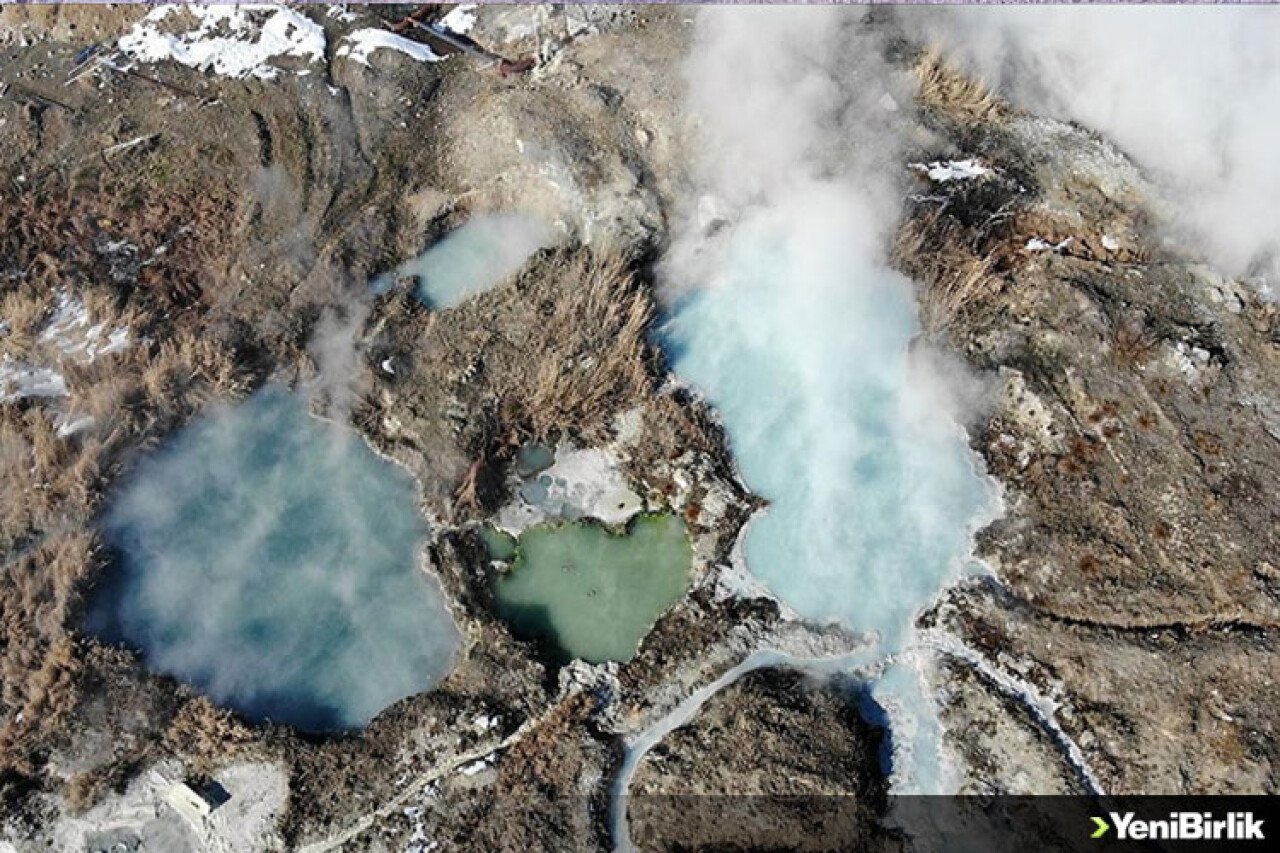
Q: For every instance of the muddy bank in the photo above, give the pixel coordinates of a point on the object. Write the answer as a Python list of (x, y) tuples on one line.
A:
[(1134, 432), (225, 269)]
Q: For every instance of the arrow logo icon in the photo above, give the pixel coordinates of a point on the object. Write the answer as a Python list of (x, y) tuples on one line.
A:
[(1102, 825)]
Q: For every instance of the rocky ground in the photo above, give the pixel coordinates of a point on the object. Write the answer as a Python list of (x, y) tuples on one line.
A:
[(1124, 643), (1135, 437), (811, 780)]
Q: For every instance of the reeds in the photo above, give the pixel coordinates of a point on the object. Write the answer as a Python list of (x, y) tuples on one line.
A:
[(57, 241), (945, 88), (587, 355), (954, 281)]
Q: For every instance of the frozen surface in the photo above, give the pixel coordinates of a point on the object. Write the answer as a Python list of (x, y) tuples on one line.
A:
[(534, 458), (68, 333), (72, 427), (951, 170), (271, 560), (232, 41), (474, 257), (19, 379), (358, 45), (461, 19), (1037, 244)]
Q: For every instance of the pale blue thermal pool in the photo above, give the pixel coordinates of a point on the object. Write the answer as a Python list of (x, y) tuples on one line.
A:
[(272, 561), (802, 342), (872, 490), (472, 258)]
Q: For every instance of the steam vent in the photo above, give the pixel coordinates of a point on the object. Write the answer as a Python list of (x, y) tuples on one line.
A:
[(507, 427)]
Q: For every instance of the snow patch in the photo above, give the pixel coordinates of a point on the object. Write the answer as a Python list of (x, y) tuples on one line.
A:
[(232, 41), (19, 379), (361, 43), (68, 428), (69, 331), (461, 19), (485, 722), (1036, 244), (951, 170), (1189, 359), (417, 845), (476, 766), (342, 12)]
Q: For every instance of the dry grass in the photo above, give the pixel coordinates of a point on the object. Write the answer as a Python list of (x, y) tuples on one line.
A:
[(947, 89), (52, 241), (24, 312), (53, 486), (42, 475), (206, 732), (955, 282), (563, 350), (589, 352), (557, 353), (38, 664), (56, 235), (133, 397)]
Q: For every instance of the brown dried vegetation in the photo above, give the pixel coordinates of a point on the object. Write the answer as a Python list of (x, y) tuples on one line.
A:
[(135, 258), (945, 88), (1132, 341), (955, 281), (571, 380)]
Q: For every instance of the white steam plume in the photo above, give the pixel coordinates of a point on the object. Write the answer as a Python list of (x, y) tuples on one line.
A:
[(334, 346), (1192, 93), (270, 560), (789, 318)]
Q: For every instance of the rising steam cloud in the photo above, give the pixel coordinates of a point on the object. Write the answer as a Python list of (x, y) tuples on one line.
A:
[(789, 318), (269, 559), (1192, 94)]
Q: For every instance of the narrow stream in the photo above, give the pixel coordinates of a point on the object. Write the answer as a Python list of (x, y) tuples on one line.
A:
[(783, 312)]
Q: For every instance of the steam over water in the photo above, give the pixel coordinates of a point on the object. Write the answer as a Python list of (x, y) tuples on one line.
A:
[(803, 347), (594, 592), (271, 560), (473, 258), (786, 315)]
